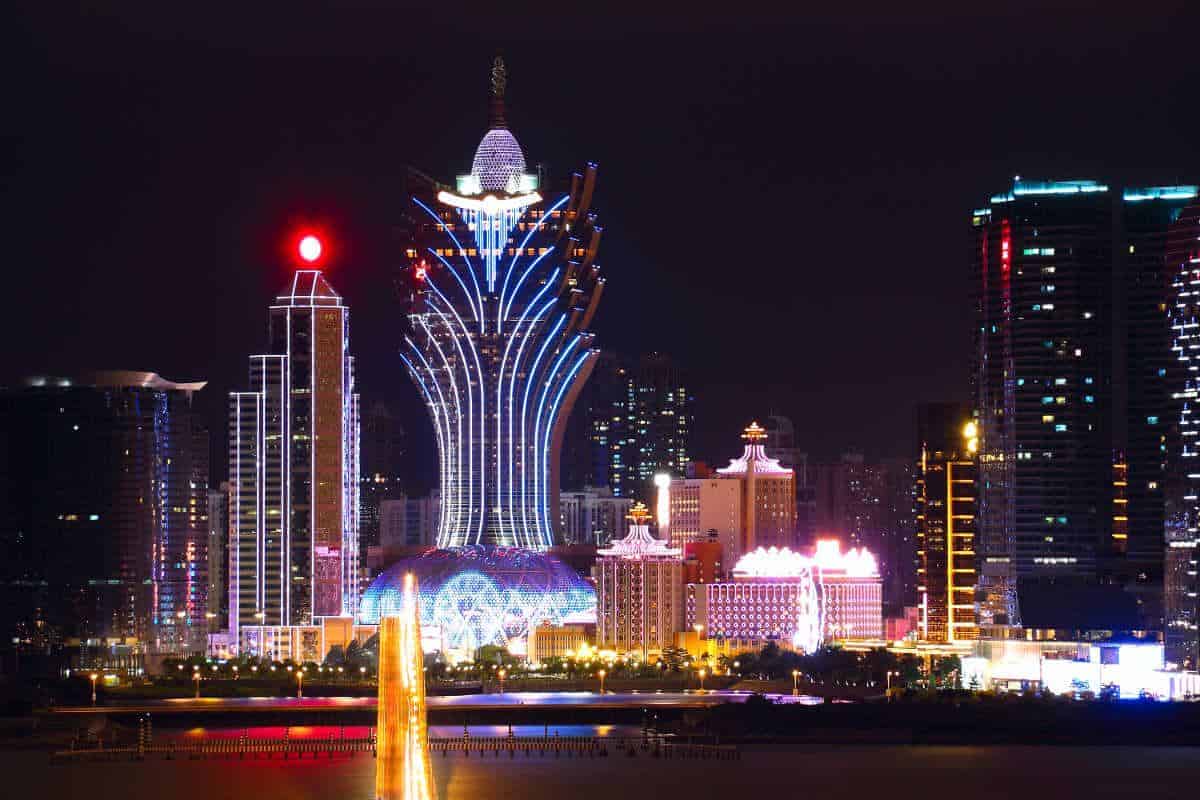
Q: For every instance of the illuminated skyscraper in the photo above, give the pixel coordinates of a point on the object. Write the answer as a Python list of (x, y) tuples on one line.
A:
[(633, 420), (1182, 568), (104, 511), (946, 490), (1070, 371), (504, 285), (293, 478)]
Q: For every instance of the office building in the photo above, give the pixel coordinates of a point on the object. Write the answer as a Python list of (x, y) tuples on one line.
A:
[(103, 512), (946, 505), (294, 479), (503, 284), (639, 581), (592, 516), (1070, 378), (633, 420), (1182, 586)]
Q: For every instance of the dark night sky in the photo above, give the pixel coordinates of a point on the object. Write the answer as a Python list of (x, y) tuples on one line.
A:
[(786, 196)]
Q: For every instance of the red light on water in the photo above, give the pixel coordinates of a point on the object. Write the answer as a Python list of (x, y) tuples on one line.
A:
[(310, 248)]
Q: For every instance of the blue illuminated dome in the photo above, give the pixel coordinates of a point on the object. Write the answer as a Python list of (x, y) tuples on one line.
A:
[(478, 594)]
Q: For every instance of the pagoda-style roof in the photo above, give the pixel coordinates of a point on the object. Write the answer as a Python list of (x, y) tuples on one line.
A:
[(754, 457)]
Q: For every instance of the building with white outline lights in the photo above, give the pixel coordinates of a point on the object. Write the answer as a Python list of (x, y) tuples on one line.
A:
[(293, 479), (1182, 560), (503, 286)]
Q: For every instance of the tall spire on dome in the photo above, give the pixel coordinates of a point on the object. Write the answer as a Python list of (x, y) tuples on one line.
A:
[(499, 82)]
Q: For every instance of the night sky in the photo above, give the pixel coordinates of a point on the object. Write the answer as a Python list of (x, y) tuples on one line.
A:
[(786, 197)]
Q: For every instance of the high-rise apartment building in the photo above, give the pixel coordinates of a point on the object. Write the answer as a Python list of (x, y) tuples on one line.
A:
[(293, 478), (103, 511), (1182, 567), (639, 591), (1070, 378), (632, 421), (946, 505), (503, 286)]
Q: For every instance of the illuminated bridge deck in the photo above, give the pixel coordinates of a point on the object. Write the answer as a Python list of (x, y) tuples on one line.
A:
[(473, 702)]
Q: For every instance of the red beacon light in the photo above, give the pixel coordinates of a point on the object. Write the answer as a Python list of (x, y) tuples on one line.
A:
[(310, 249)]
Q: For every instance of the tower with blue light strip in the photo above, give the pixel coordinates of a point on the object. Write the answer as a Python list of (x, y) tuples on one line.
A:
[(503, 285)]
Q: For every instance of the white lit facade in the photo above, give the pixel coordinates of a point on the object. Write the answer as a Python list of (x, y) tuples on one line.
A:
[(293, 467)]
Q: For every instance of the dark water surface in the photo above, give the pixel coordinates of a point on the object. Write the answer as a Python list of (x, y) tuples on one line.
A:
[(886, 773)]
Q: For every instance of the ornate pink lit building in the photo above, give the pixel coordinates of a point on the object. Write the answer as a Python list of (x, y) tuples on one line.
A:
[(800, 601)]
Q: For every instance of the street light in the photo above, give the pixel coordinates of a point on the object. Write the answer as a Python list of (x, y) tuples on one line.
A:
[(602, 674), (235, 672), (501, 675), (300, 683), (93, 676), (702, 673), (795, 682), (196, 680), (889, 678)]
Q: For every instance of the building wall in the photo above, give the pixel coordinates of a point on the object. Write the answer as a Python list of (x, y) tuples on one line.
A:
[(768, 609), (556, 641), (638, 603), (772, 521), (701, 505)]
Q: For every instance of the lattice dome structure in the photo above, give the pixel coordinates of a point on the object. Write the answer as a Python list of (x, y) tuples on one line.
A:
[(499, 162), (477, 595)]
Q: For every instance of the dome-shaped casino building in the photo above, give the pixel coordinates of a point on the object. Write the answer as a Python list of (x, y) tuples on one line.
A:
[(478, 595)]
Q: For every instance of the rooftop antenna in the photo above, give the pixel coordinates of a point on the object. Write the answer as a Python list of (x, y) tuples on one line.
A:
[(499, 83)]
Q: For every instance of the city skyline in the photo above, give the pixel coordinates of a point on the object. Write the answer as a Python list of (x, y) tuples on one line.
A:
[(300, 159)]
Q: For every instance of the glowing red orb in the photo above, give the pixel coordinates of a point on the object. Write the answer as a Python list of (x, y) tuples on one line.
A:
[(310, 248)]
